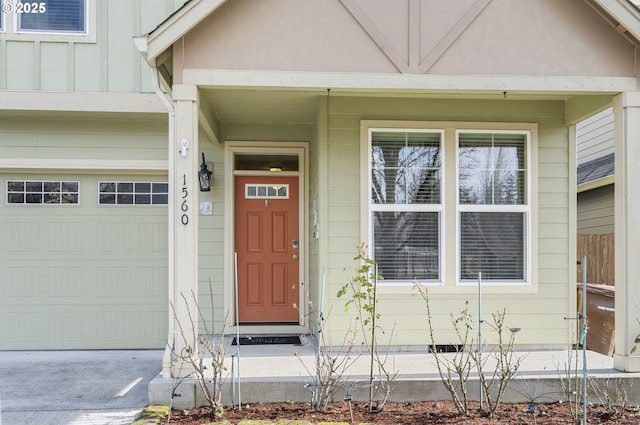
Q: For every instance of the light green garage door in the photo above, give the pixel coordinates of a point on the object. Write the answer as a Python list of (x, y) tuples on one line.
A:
[(79, 273)]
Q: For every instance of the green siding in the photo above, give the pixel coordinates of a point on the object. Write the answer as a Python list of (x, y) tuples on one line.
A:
[(88, 68), (19, 61), (211, 242), (83, 276), (596, 213), (111, 64), (55, 70), (540, 314), (83, 139)]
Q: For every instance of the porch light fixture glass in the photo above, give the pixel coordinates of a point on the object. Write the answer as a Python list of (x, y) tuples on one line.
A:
[(204, 176)]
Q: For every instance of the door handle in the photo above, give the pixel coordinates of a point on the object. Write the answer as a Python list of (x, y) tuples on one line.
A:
[(295, 256)]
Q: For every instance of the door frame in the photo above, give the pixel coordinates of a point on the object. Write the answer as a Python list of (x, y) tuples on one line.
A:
[(233, 148)]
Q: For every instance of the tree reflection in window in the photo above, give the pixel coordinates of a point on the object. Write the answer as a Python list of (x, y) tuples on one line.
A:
[(492, 197), (406, 173)]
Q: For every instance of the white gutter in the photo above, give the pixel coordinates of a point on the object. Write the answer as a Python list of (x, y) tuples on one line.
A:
[(168, 357)]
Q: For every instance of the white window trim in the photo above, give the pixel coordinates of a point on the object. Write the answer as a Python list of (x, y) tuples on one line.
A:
[(439, 208), (27, 204), (449, 222), (133, 204), (233, 148), (10, 28), (526, 209), (267, 196)]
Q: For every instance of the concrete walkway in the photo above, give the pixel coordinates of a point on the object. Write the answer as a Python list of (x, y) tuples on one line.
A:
[(276, 373), (112, 387), (75, 387)]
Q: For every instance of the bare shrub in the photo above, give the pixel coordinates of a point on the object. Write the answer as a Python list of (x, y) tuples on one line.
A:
[(207, 358), (454, 370)]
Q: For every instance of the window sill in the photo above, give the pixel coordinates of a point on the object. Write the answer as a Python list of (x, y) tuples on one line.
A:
[(409, 288), (50, 37)]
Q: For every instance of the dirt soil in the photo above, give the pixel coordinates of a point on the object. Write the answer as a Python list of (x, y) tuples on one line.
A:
[(438, 412)]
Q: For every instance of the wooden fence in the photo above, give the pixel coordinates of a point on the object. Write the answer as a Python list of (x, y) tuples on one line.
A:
[(600, 253)]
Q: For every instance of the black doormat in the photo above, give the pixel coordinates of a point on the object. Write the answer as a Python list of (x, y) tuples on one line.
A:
[(267, 339)]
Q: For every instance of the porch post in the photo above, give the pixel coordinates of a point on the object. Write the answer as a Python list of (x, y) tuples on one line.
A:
[(626, 107), (183, 229)]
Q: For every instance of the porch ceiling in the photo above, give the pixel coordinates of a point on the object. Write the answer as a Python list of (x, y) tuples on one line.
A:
[(290, 106), (264, 106)]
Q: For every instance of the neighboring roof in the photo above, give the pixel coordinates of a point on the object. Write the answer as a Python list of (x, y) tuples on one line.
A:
[(596, 169)]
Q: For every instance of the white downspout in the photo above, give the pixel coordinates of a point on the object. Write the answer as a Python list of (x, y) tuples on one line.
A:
[(168, 358)]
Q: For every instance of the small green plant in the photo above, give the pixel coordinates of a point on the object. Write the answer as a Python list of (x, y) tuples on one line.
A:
[(362, 288), (362, 292)]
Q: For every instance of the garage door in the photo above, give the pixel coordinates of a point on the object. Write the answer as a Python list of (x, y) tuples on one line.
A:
[(83, 262)]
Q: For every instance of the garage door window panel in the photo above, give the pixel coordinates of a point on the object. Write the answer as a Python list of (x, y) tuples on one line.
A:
[(43, 192), (133, 193)]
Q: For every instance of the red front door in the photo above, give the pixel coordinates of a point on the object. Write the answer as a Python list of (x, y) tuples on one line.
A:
[(267, 245)]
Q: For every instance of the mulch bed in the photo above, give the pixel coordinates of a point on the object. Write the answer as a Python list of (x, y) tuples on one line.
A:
[(438, 412)]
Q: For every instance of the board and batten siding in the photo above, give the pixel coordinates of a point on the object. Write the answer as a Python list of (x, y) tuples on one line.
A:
[(540, 314), (595, 136), (110, 64)]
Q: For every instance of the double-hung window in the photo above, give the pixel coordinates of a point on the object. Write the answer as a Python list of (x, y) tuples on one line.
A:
[(449, 202), (493, 206), (406, 203)]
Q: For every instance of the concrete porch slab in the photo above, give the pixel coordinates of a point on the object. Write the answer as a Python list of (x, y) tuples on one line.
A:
[(277, 373)]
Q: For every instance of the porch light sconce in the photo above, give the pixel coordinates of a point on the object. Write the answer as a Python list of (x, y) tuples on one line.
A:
[(204, 176)]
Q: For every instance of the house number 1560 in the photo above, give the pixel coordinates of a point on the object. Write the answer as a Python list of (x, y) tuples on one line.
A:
[(184, 207)]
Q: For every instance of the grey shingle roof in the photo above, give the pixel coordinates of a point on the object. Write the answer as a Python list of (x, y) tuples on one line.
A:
[(596, 169)]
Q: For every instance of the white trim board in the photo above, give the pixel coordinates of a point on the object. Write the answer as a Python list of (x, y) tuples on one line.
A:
[(423, 83), (82, 102), (84, 165)]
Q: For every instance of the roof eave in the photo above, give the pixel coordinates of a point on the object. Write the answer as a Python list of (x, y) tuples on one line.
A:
[(177, 25), (624, 16), (594, 184)]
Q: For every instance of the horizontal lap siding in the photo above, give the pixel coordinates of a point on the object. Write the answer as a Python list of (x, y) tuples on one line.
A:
[(46, 137), (540, 314), (596, 211), (211, 243), (595, 136)]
